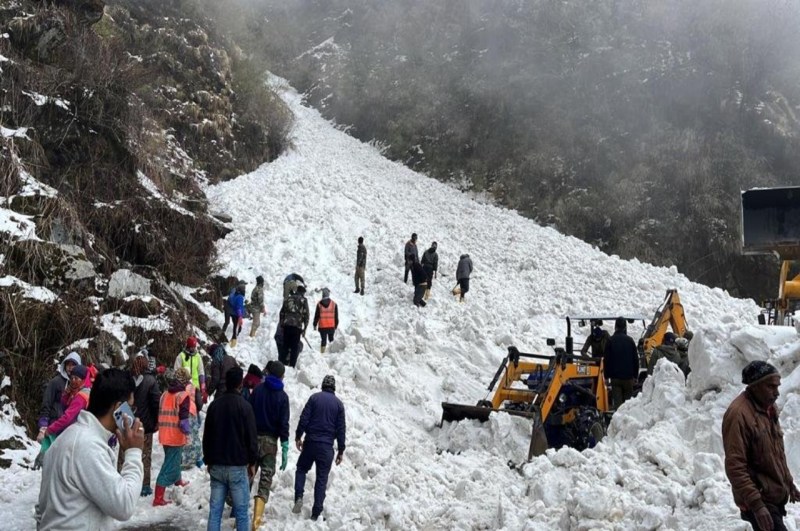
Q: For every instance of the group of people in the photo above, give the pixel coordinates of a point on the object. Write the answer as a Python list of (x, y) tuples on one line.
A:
[(425, 270), (86, 482)]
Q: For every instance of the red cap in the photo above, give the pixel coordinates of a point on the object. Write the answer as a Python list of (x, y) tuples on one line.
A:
[(191, 342)]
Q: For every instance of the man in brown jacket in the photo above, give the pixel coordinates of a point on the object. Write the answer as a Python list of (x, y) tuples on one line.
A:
[(755, 459)]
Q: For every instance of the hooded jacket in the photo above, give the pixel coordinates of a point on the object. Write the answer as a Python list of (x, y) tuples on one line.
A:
[(221, 363), (464, 269), (271, 407), (51, 397), (146, 398), (621, 357), (430, 259), (325, 303), (229, 437), (755, 458), (81, 488)]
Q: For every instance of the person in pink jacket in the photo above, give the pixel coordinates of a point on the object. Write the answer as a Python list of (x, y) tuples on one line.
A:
[(75, 399)]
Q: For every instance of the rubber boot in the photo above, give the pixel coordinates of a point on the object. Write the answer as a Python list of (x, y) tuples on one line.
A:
[(159, 498), (232, 343), (181, 483), (258, 512), (322, 349)]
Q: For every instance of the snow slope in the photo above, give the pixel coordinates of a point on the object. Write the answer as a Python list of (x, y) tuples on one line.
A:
[(660, 467)]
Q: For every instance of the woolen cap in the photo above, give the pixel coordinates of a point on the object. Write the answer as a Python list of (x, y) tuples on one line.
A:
[(755, 371)]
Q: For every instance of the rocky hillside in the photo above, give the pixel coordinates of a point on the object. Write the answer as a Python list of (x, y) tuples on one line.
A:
[(113, 118)]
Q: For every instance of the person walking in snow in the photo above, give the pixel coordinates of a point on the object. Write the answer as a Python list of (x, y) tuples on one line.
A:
[(234, 311), (430, 262), (420, 280), (463, 272), (191, 360), (596, 341), (322, 421), (755, 457), (271, 407), (221, 363), (257, 308), (174, 427), (294, 320), (361, 265), (51, 399), (146, 401), (290, 284), (252, 379), (81, 488), (621, 362), (410, 255), (230, 450), (326, 317)]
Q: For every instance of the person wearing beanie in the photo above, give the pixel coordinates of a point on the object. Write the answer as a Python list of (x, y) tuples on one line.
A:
[(252, 379), (257, 308), (755, 458), (74, 399), (326, 317), (322, 421), (361, 265), (230, 450), (174, 426), (271, 407), (621, 363), (597, 340), (221, 363)]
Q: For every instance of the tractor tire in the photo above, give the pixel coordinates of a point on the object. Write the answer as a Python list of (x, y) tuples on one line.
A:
[(586, 430)]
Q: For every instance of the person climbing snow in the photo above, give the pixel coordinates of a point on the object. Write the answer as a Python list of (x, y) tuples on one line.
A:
[(463, 272), (191, 360), (234, 311), (410, 255), (322, 421), (420, 280), (294, 321), (361, 265), (257, 308), (221, 363), (430, 261), (174, 427), (326, 317)]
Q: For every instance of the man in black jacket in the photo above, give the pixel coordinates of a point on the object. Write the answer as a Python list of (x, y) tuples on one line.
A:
[(621, 363), (221, 363), (146, 400), (430, 261), (420, 279), (271, 407), (230, 451), (322, 421)]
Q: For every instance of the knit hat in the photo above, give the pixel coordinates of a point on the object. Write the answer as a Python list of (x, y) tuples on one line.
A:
[(620, 324), (326, 293), (183, 375), (754, 372), (329, 383), (259, 280), (276, 369), (253, 370), (80, 371)]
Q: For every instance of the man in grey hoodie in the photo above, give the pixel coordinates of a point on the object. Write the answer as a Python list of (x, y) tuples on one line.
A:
[(51, 399), (463, 271)]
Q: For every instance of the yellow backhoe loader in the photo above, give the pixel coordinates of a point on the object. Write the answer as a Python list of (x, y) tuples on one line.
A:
[(771, 225)]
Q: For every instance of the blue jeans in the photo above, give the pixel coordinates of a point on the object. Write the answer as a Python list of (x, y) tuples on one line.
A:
[(233, 479), (321, 455)]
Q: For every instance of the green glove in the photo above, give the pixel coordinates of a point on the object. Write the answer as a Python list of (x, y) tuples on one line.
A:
[(284, 454)]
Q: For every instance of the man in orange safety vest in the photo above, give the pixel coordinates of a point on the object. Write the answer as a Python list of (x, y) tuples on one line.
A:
[(326, 318)]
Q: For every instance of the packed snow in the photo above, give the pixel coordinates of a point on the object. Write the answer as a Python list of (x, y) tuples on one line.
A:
[(660, 467)]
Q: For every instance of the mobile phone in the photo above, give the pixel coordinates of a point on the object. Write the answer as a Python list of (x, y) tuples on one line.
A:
[(124, 410)]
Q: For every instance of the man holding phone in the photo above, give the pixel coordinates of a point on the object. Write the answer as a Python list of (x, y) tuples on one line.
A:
[(81, 488)]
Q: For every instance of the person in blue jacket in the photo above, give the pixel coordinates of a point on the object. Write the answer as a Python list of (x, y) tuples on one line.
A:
[(271, 406), (234, 310), (322, 421)]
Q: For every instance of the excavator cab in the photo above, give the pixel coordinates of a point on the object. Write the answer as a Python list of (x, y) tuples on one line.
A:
[(771, 225)]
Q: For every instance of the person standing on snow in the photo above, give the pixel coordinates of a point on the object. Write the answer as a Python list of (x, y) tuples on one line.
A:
[(410, 255), (361, 265), (463, 272), (174, 427), (755, 457), (81, 488), (430, 261), (257, 308), (221, 363), (74, 399), (621, 362), (51, 399), (146, 401), (420, 280), (322, 421), (290, 284), (234, 311), (230, 450), (271, 407), (294, 321), (191, 360), (326, 317)]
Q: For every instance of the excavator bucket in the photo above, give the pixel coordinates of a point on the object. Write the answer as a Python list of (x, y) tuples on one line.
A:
[(771, 221), (457, 412), (539, 444)]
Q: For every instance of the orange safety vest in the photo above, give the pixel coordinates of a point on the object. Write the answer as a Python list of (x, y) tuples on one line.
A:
[(327, 316), (169, 429)]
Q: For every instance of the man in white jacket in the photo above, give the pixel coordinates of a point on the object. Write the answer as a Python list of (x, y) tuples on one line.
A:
[(81, 488)]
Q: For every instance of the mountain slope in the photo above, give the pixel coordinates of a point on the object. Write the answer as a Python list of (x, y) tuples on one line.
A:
[(395, 363)]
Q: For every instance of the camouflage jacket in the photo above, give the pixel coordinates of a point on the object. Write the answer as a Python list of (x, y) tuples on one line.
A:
[(295, 311), (257, 300)]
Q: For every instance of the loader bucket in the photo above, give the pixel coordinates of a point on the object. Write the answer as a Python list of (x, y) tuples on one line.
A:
[(771, 222), (457, 412), (539, 444)]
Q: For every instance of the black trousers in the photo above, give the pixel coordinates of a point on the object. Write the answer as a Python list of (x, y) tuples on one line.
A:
[(291, 342), (464, 283), (325, 335)]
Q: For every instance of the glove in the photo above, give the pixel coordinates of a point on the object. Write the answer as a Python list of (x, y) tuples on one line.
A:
[(204, 393), (185, 426), (37, 463), (284, 454)]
